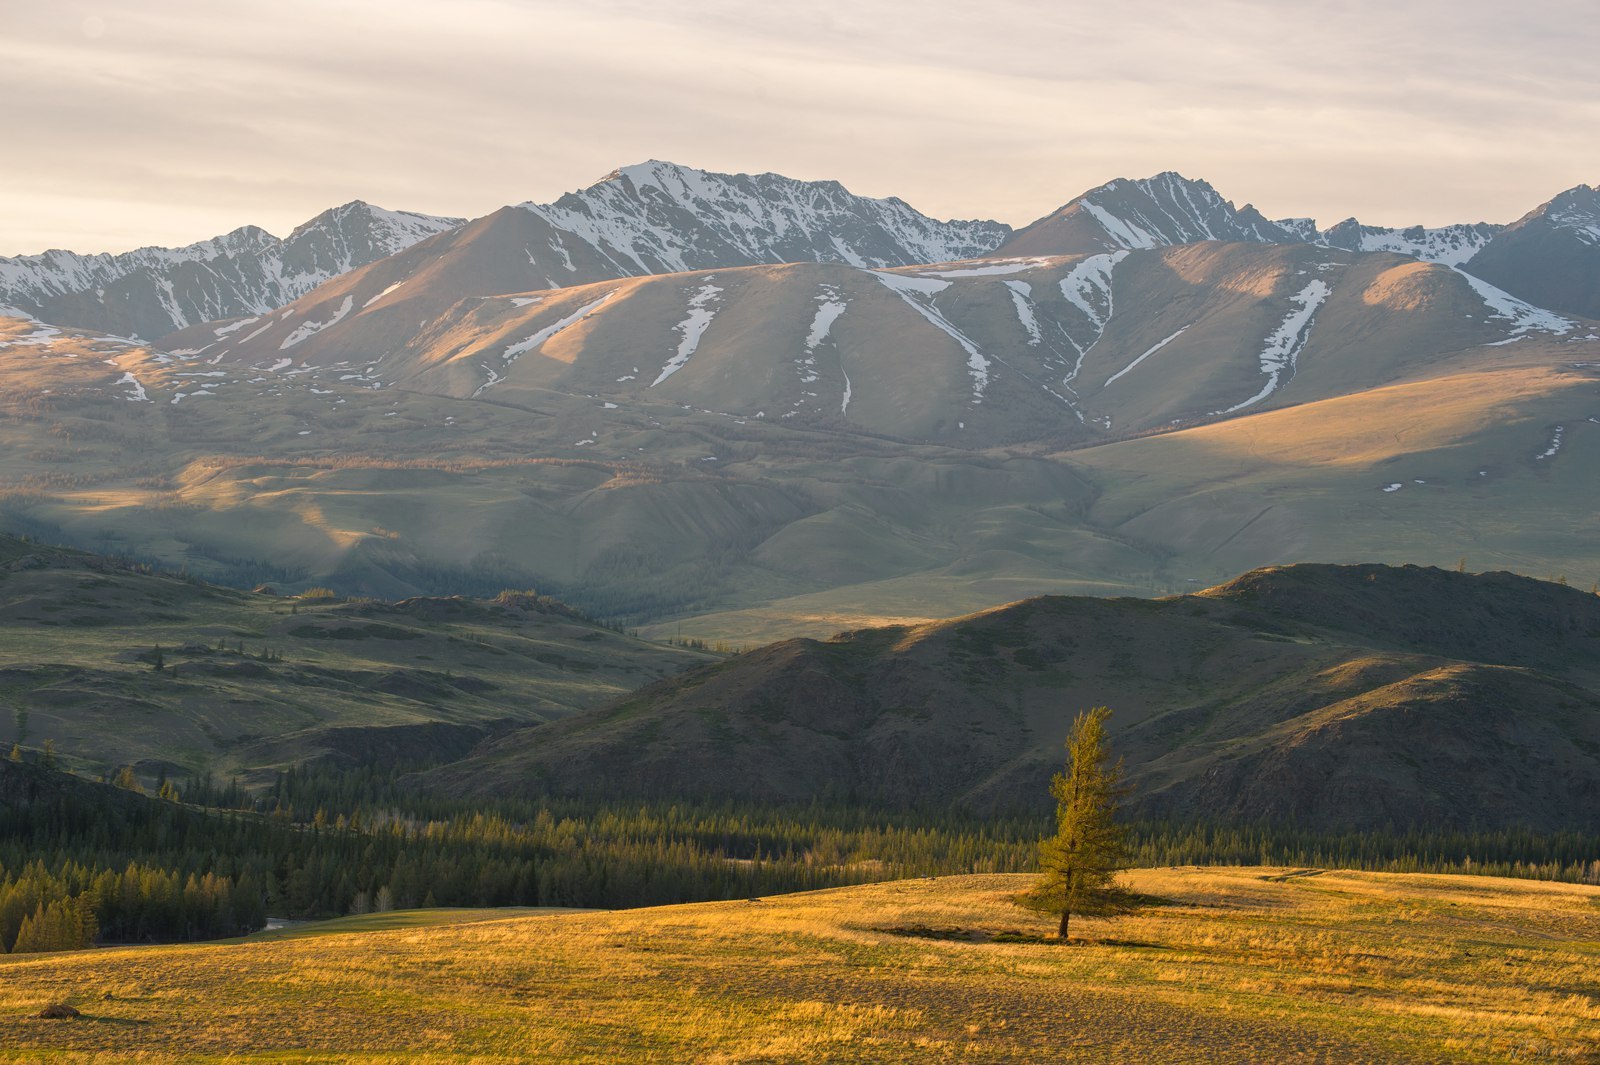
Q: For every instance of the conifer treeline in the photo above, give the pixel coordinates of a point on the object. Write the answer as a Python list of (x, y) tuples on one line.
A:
[(73, 870), (73, 906)]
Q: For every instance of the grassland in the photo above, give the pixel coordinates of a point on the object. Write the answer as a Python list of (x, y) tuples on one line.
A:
[(1241, 965)]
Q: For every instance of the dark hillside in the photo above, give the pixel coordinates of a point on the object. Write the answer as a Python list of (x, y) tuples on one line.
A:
[(1329, 696)]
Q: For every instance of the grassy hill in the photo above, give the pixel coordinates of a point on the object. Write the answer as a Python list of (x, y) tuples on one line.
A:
[(252, 681), (1242, 965), (1325, 696)]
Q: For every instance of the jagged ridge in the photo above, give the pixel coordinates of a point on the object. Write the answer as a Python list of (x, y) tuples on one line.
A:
[(151, 292), (1170, 209), (658, 217)]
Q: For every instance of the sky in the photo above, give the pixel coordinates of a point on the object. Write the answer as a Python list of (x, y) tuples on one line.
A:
[(168, 121)]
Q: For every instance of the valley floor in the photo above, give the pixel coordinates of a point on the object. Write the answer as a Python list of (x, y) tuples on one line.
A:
[(1246, 965)]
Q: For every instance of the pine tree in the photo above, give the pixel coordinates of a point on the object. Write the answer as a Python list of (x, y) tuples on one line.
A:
[(1079, 864)]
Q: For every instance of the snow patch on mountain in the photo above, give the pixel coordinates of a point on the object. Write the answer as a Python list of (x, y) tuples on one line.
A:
[(233, 327), (313, 328), (1123, 234), (139, 394), (910, 289), (1157, 346), (534, 342), (829, 307), (1002, 266), (382, 294), (691, 329), (1087, 286), (1284, 345), (1022, 300), (1523, 317), (1555, 445)]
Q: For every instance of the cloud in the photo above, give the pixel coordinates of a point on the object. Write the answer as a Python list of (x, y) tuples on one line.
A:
[(154, 122)]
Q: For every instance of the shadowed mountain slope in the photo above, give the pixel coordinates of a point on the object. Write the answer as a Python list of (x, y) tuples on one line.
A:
[(1550, 256), (1355, 696)]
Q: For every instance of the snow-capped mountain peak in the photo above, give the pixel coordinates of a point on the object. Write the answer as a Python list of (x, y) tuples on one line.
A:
[(1129, 214), (1451, 245), (1167, 209), (1577, 210), (656, 216), (153, 291), (1551, 255)]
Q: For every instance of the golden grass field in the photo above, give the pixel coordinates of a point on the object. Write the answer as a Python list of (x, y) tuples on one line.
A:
[(1243, 965)]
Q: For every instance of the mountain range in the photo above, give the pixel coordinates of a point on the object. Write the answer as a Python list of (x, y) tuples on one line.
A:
[(757, 406), (755, 410), (657, 217)]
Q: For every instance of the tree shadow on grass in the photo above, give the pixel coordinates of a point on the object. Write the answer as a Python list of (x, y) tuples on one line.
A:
[(91, 1018), (956, 934)]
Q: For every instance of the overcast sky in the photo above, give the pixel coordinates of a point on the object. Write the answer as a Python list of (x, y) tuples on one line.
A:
[(167, 121)]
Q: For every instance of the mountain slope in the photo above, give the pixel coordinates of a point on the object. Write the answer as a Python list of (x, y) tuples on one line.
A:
[(1301, 694), (646, 219), (1550, 256), (152, 292), (982, 352)]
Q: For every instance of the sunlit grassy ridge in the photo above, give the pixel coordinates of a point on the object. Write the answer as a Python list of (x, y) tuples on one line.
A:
[(1243, 965)]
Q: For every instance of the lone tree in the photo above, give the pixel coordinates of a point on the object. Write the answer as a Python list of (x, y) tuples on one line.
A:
[(1080, 862)]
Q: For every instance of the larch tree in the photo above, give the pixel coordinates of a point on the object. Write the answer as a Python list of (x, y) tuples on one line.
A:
[(1079, 864)]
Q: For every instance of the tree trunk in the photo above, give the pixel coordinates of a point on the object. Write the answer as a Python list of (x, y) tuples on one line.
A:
[(1065, 914)]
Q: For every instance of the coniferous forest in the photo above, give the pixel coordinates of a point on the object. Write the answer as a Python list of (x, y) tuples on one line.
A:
[(85, 863)]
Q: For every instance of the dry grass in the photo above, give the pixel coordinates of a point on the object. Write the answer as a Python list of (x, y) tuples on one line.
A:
[(1334, 967)]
